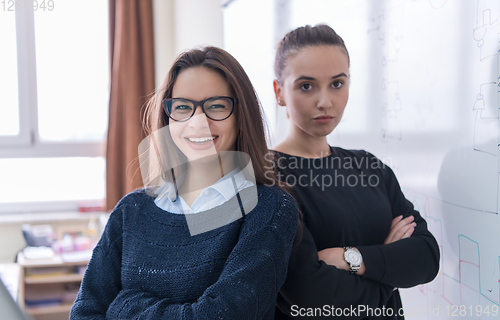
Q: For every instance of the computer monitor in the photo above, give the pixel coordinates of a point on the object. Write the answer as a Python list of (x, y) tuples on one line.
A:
[(9, 308)]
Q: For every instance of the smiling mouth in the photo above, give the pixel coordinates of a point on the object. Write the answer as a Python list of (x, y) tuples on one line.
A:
[(202, 140)]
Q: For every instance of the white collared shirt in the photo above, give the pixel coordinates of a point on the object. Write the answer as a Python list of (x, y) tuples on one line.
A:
[(215, 195)]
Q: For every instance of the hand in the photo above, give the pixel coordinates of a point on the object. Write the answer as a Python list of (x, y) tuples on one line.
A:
[(335, 257), (400, 229)]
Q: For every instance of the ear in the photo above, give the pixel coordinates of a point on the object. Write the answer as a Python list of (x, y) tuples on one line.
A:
[(277, 91)]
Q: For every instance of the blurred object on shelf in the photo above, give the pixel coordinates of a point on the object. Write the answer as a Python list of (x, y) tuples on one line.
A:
[(38, 235), (38, 252), (70, 244), (76, 256), (90, 208), (48, 272), (92, 226), (50, 294), (22, 260)]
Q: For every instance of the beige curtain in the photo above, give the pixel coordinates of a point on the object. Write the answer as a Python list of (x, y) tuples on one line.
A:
[(132, 83)]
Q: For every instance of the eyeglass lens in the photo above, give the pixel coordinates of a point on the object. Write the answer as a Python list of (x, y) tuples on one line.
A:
[(216, 109)]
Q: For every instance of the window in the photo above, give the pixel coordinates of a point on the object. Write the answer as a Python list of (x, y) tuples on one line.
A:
[(54, 96), (9, 117)]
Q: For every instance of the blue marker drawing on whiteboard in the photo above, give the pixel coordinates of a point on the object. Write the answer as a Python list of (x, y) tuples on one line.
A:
[(468, 282)]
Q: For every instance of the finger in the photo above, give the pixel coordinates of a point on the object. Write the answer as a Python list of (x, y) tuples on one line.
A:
[(398, 226), (410, 230), (397, 223), (390, 236), (409, 219), (396, 220), (403, 223), (399, 234), (408, 233)]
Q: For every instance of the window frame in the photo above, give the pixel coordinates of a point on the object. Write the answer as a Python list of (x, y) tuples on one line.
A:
[(26, 80), (27, 144)]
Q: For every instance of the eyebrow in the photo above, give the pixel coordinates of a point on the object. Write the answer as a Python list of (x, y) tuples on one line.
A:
[(311, 78)]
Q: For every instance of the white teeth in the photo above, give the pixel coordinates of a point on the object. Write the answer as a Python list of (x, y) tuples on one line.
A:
[(199, 140)]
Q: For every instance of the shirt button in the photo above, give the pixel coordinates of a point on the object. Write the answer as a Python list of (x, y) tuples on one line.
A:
[(206, 193)]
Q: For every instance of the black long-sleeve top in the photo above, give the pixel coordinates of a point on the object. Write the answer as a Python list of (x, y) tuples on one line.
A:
[(350, 199)]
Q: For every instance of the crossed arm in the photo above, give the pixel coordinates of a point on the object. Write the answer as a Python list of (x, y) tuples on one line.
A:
[(409, 255), (401, 228)]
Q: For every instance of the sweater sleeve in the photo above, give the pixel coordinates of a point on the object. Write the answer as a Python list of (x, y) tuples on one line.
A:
[(249, 282), (102, 280), (314, 284), (407, 262)]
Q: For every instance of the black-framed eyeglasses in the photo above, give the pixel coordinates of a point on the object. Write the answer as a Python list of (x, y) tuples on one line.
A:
[(215, 108)]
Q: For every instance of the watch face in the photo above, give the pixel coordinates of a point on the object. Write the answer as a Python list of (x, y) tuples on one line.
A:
[(353, 257)]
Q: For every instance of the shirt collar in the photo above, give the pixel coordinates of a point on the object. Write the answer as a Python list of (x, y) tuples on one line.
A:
[(226, 187)]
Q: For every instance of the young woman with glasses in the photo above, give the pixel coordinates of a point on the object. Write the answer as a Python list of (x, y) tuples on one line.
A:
[(361, 238), (205, 239)]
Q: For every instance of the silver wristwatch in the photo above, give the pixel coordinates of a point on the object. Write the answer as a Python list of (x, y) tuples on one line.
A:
[(353, 258)]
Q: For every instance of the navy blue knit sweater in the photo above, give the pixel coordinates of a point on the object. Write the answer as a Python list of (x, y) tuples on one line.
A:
[(148, 266)]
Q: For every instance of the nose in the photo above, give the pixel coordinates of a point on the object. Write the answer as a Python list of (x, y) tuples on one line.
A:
[(199, 119), (324, 100), (198, 110)]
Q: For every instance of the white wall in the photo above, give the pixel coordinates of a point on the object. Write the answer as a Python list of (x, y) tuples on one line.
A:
[(180, 25), (164, 40)]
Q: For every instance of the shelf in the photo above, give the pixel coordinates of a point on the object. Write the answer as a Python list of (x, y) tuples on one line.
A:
[(55, 261), (54, 279), (62, 308), (37, 275)]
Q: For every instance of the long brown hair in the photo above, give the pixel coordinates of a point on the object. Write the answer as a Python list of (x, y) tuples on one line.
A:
[(251, 138)]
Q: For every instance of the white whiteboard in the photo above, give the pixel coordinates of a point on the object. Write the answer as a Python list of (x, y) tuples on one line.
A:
[(424, 97)]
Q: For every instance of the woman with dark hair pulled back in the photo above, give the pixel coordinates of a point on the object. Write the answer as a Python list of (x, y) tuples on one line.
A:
[(361, 238)]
